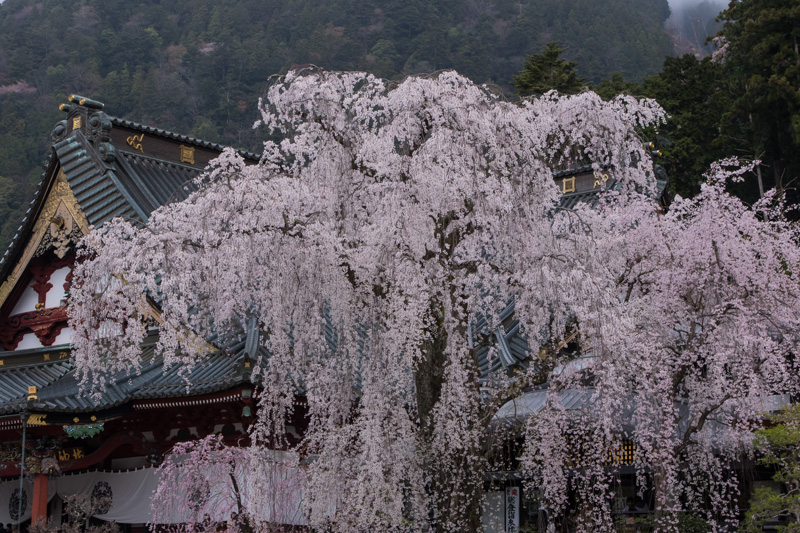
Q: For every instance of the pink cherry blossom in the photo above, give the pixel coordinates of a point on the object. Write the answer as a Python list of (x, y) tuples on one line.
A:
[(384, 221)]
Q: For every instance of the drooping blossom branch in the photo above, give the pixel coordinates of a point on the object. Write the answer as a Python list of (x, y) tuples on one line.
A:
[(694, 341), (383, 222), (204, 483)]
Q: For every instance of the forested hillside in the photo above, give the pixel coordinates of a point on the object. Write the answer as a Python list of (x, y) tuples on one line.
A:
[(199, 66)]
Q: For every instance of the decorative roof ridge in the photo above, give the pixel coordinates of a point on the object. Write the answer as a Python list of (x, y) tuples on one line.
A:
[(178, 137), (166, 162)]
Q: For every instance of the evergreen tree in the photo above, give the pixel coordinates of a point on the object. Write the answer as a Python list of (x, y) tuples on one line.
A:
[(692, 92), (779, 444), (760, 49), (616, 85), (547, 71)]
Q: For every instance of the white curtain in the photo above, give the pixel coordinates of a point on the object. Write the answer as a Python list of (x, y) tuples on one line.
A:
[(130, 494), (8, 501), (132, 491)]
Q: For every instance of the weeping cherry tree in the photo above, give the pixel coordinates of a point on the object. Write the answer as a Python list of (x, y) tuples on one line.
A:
[(382, 222)]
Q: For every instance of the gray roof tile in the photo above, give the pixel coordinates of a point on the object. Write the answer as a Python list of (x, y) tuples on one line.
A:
[(59, 390), (14, 382)]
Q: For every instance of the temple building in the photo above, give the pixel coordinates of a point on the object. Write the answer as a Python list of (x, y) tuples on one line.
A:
[(98, 168)]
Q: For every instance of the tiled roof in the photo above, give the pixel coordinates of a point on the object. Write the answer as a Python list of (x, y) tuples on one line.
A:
[(165, 182), (59, 391), (219, 372), (26, 218), (14, 382), (572, 171), (510, 347), (534, 401), (109, 180), (94, 183), (129, 186), (572, 199)]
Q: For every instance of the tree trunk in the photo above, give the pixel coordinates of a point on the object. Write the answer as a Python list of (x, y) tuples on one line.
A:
[(429, 378), (445, 489), (665, 519)]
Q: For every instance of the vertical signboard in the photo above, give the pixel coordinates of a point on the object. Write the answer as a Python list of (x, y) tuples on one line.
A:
[(512, 509)]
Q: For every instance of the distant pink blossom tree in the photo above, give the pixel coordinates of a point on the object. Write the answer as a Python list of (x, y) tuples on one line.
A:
[(384, 221)]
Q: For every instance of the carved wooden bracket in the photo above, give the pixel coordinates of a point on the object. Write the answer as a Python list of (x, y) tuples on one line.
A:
[(45, 324)]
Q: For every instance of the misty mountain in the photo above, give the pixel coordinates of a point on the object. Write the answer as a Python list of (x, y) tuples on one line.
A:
[(199, 66), (692, 22)]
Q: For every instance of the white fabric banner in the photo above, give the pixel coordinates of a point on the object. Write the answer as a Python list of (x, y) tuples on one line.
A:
[(9, 502), (275, 494), (131, 493), (9, 491)]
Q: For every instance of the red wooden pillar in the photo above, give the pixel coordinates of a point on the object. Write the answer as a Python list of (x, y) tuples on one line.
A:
[(39, 507)]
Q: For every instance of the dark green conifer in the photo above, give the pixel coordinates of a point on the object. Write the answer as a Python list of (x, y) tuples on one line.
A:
[(547, 71)]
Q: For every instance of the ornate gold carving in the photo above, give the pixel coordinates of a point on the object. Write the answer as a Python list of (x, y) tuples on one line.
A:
[(63, 232), (76, 123), (47, 357), (568, 185), (135, 142), (37, 420), (187, 154), (2, 363), (63, 355), (76, 419), (60, 195), (600, 180), (93, 418)]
